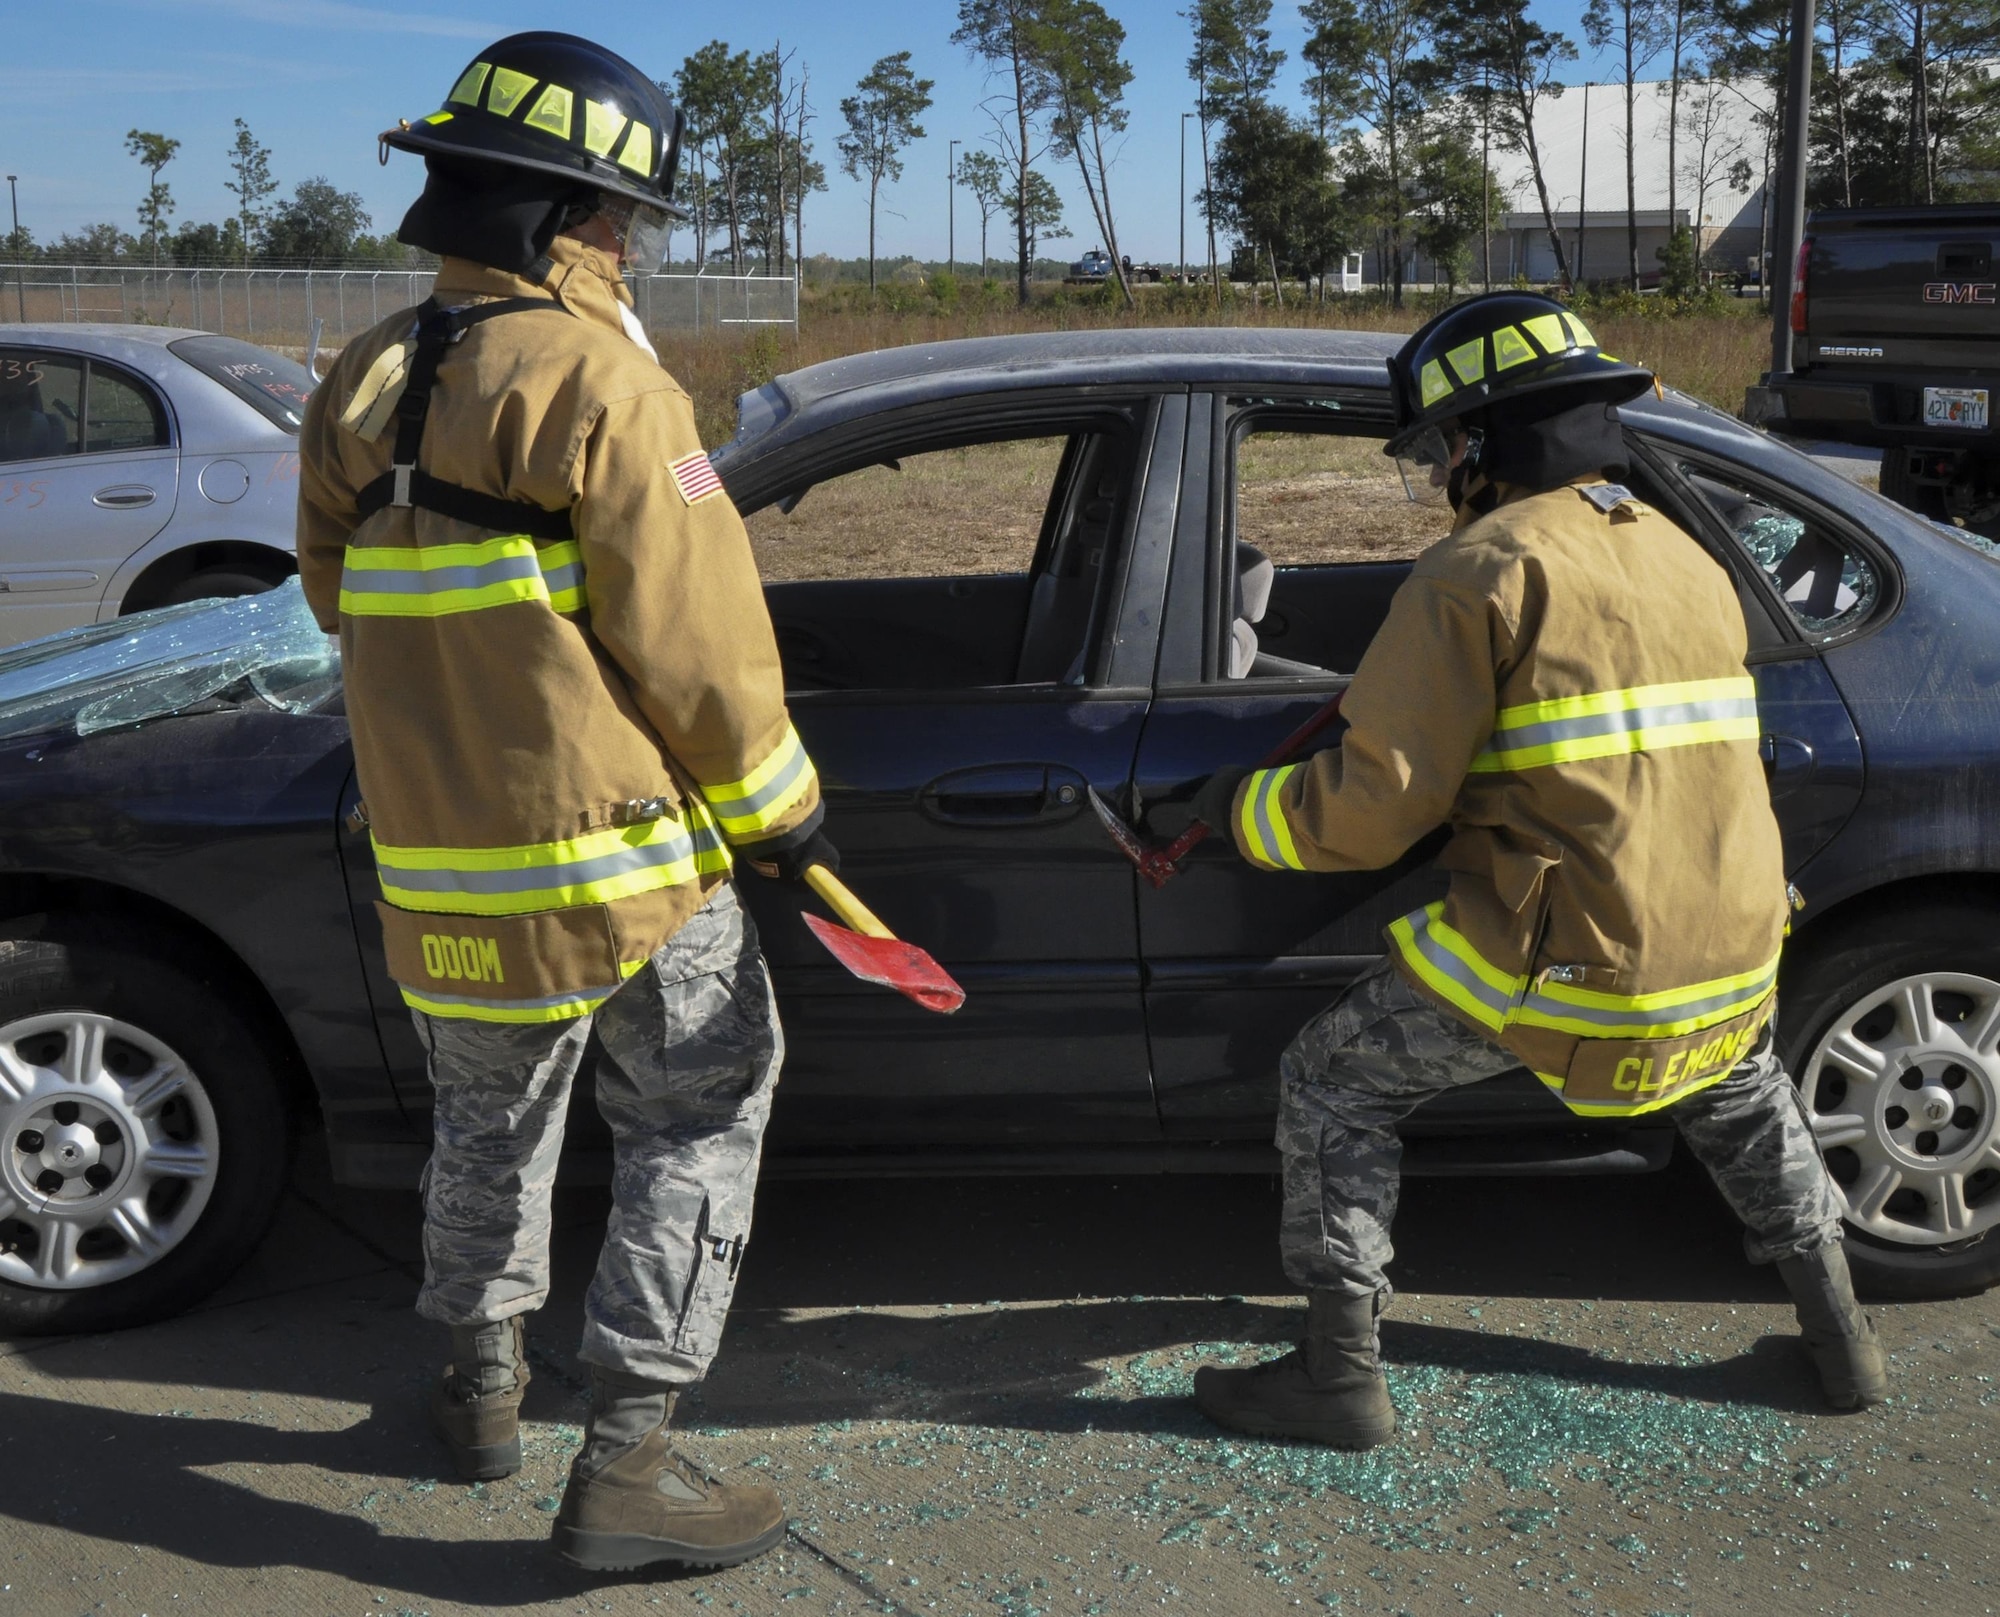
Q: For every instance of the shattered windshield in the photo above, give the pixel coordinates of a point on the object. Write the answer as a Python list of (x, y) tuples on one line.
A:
[(256, 650)]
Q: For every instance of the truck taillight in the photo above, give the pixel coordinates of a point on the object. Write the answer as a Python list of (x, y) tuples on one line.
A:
[(1799, 286)]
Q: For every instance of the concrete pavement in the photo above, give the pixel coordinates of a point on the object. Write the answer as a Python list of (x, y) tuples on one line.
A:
[(973, 1397)]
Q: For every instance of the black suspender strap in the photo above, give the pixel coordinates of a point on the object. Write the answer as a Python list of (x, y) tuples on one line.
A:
[(403, 485)]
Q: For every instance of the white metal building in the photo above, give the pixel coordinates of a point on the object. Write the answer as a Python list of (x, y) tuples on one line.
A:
[(1719, 163)]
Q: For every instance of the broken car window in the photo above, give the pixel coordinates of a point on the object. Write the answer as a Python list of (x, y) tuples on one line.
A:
[(263, 649), (1826, 584)]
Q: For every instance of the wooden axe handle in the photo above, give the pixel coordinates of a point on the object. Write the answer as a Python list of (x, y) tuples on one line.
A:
[(844, 904)]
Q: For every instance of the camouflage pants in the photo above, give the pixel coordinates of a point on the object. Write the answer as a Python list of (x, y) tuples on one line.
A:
[(1381, 1049), (690, 1052)]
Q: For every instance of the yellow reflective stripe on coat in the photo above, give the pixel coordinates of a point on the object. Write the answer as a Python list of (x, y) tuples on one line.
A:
[(1261, 825), (1446, 962), (750, 807), (593, 869), (1636, 1108), (1602, 724), (1665, 1015), (562, 575), (434, 581), (556, 1008)]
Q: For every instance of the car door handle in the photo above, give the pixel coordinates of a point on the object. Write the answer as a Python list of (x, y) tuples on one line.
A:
[(1004, 794), (124, 497), (1787, 762)]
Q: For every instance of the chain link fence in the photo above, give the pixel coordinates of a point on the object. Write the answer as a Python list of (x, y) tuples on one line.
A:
[(277, 307)]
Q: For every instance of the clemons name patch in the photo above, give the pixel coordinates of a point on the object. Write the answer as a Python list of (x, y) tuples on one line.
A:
[(695, 478)]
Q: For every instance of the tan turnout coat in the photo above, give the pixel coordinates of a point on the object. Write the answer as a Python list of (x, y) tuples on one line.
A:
[(556, 742), (1563, 685)]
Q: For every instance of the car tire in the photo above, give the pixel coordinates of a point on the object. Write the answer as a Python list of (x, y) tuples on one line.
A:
[(144, 1134), (1913, 998), (1926, 499), (219, 584)]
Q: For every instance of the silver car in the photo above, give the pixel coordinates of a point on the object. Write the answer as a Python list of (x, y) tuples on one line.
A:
[(140, 466)]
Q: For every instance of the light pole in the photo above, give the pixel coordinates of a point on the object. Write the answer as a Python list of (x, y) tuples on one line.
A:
[(1183, 209), (951, 204), (1791, 210), (20, 274), (1583, 185)]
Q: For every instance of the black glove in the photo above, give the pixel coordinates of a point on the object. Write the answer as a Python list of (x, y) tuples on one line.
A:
[(791, 863), (1215, 796)]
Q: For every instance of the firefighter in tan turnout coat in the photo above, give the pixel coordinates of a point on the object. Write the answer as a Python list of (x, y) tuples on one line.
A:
[(568, 725), (1561, 683)]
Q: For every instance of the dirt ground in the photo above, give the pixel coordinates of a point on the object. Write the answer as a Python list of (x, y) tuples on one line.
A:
[(973, 1397)]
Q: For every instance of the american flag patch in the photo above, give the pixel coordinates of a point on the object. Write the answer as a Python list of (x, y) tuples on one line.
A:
[(695, 477)]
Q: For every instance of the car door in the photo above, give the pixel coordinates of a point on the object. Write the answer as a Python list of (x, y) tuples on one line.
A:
[(968, 612), (1807, 580), (88, 474), (1237, 959), (963, 613)]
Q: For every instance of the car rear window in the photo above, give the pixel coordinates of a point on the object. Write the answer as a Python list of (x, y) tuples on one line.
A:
[(276, 387)]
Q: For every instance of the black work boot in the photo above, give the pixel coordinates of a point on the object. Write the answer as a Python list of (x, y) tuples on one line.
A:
[(631, 1500), (476, 1407), (1852, 1371), (1329, 1390)]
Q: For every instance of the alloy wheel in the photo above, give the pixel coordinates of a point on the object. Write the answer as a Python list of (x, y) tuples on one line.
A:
[(108, 1150), (1904, 1096)]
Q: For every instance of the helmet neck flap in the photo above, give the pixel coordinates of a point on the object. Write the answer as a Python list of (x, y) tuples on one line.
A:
[(503, 217), (1543, 448)]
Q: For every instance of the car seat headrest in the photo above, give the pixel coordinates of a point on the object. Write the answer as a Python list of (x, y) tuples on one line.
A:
[(1254, 576)]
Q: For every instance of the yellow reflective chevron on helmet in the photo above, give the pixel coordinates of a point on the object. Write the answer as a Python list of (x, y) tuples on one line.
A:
[(1433, 383), (1579, 331), (602, 126), (1510, 348), (470, 83), (1549, 331), (1468, 360), (638, 152), (508, 90), (552, 111)]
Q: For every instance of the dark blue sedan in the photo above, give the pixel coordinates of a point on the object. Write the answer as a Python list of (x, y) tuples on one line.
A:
[(1002, 572)]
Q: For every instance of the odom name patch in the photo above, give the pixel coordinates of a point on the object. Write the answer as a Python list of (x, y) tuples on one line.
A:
[(462, 959)]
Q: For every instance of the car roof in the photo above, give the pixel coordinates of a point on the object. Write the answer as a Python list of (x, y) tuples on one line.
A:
[(96, 331), (835, 390)]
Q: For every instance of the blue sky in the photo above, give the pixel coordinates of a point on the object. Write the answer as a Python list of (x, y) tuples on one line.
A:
[(316, 79)]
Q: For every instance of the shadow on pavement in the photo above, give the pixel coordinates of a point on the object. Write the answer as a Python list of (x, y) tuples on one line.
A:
[(139, 1479), (860, 1300)]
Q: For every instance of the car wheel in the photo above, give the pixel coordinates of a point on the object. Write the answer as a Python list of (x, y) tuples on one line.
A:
[(1893, 1033), (1926, 499), (218, 584), (144, 1137)]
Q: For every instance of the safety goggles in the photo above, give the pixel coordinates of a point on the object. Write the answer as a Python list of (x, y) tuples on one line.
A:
[(643, 233), (1426, 459)]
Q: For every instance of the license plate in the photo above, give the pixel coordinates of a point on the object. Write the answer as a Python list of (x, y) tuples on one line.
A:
[(1955, 406)]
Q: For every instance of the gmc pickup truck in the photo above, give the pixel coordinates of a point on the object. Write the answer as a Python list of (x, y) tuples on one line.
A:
[(1896, 346)]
